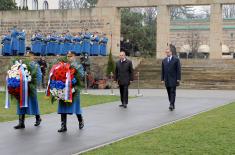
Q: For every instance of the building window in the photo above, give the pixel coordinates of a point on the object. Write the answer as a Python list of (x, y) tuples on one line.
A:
[(45, 5), (35, 5)]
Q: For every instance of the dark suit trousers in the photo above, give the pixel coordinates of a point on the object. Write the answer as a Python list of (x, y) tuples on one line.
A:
[(124, 93), (171, 91)]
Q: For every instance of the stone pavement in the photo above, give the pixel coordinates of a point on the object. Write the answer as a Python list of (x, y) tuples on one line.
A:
[(107, 123)]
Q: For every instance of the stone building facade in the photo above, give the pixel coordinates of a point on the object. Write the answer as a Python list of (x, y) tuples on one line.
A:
[(215, 33), (38, 4), (187, 33)]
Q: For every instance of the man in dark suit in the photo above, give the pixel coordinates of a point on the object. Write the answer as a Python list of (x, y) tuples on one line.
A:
[(123, 75), (171, 76)]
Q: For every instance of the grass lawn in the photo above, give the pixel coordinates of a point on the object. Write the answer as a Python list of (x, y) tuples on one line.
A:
[(209, 133), (46, 107)]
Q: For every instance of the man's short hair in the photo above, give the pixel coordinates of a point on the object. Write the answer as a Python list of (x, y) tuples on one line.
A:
[(123, 51)]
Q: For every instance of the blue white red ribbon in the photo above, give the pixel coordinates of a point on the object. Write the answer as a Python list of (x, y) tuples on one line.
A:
[(49, 80), (68, 88), (23, 88), (7, 102), (68, 85)]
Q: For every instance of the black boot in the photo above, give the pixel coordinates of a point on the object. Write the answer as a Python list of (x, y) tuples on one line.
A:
[(38, 120), (21, 122), (63, 123), (80, 120)]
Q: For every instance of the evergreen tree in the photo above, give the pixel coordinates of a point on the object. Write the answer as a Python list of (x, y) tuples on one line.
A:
[(110, 65), (7, 5)]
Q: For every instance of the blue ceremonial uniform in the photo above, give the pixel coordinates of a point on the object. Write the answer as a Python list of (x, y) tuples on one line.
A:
[(51, 46), (77, 45), (37, 44), (95, 48), (68, 45), (21, 39), (44, 45), (61, 46), (14, 41), (54, 44), (86, 44), (74, 107), (103, 46), (33, 108), (48, 45), (70, 108), (6, 42), (57, 46)]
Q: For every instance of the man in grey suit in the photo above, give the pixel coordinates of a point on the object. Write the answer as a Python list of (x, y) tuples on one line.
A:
[(171, 76), (124, 76)]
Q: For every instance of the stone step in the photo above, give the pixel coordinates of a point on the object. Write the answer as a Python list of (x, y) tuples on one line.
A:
[(191, 76), (186, 86), (189, 69), (199, 74)]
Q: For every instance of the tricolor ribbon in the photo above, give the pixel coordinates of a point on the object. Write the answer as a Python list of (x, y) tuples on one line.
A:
[(68, 85), (50, 74), (7, 103), (23, 88)]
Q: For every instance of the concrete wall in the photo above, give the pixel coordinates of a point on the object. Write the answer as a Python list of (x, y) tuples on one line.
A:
[(98, 19)]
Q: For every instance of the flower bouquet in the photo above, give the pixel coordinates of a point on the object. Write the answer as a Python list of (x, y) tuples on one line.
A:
[(18, 82), (63, 82)]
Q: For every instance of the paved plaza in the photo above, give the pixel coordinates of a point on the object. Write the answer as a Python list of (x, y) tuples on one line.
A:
[(107, 122)]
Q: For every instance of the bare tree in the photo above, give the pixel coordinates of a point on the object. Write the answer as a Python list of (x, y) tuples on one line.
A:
[(65, 4), (194, 42), (71, 4), (182, 12), (228, 11), (79, 3), (150, 15)]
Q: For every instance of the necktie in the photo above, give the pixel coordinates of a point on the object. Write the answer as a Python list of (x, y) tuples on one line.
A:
[(169, 59)]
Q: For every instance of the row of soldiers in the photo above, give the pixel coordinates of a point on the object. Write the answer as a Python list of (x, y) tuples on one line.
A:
[(93, 44)]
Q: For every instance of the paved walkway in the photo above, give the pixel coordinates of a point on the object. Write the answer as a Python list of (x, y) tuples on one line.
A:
[(106, 123)]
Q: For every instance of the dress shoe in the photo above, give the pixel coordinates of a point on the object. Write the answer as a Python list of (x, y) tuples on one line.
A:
[(171, 108), (124, 106), (121, 105)]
